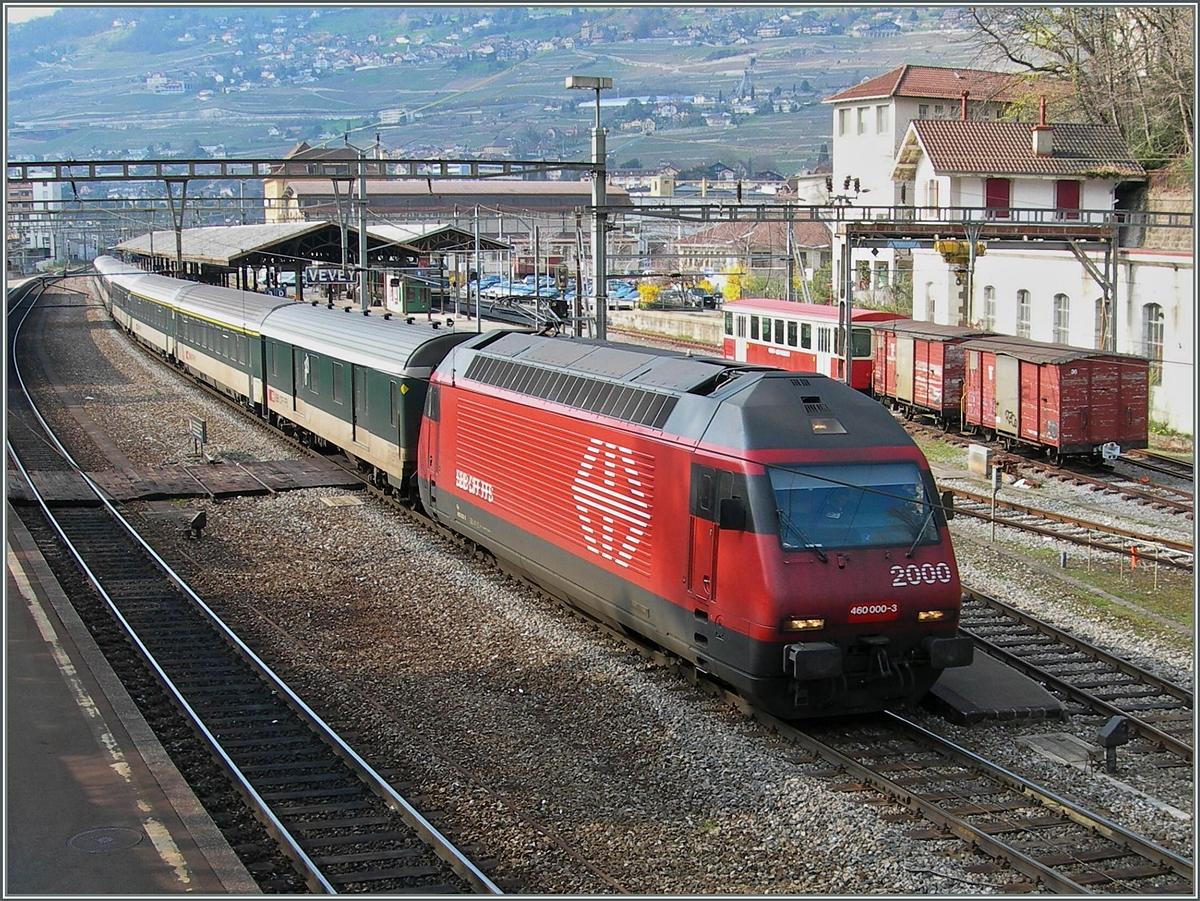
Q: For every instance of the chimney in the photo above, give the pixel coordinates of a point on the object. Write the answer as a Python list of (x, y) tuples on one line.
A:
[(965, 95), (1043, 134)]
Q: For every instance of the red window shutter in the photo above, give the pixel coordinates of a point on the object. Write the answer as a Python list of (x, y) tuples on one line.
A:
[(997, 197), (1066, 197)]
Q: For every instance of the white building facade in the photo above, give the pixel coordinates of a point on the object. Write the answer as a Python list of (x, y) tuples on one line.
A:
[(1020, 184)]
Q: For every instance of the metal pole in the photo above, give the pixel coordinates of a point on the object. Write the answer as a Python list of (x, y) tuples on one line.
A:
[(844, 314), (599, 227), (478, 278), (364, 267)]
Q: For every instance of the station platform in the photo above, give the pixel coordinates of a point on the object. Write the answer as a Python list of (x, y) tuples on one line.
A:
[(93, 804), (989, 690)]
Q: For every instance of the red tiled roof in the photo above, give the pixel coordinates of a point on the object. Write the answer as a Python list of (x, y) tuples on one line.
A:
[(1006, 148), (934, 82)]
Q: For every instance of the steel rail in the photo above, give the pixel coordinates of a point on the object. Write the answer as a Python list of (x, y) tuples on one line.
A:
[(1146, 730), (1177, 864)]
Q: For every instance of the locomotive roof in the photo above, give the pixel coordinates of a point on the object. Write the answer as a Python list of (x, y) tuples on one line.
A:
[(1039, 351), (706, 400), (391, 346), (804, 310)]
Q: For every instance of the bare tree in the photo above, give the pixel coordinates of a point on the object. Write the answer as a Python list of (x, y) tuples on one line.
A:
[(1129, 66)]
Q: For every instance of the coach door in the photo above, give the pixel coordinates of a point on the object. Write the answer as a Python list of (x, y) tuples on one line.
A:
[(358, 413)]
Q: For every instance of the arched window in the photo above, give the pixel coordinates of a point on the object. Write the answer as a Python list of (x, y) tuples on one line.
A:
[(1024, 312), (989, 307), (1062, 319), (1152, 340)]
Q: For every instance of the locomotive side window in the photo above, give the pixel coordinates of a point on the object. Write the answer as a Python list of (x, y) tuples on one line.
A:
[(791, 333), (857, 505), (806, 335)]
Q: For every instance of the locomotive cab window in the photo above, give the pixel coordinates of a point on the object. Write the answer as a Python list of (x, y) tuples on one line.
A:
[(856, 505)]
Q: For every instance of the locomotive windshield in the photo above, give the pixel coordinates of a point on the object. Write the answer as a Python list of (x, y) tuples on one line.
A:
[(855, 505)]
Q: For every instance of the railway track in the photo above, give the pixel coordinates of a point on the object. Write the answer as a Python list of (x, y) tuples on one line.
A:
[(1049, 839), (342, 824), (1094, 682), (1091, 535), (1167, 494), (1162, 464)]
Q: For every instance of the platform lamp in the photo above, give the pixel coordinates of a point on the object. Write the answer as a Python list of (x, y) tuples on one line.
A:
[(599, 218)]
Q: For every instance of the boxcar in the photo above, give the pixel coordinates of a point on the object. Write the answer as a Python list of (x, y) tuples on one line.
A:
[(801, 337), (1068, 400), (920, 368)]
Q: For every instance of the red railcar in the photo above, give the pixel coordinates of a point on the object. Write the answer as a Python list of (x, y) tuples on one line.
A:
[(1068, 400), (920, 368), (802, 337), (780, 531)]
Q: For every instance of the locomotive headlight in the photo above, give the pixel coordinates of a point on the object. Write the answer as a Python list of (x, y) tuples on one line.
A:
[(932, 616), (802, 625)]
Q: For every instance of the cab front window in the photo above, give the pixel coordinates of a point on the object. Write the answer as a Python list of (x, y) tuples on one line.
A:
[(857, 505)]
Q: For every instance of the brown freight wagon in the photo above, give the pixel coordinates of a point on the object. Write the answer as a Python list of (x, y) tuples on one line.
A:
[(919, 368), (1068, 400)]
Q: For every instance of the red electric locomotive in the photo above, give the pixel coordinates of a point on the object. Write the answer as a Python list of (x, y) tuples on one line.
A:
[(778, 529)]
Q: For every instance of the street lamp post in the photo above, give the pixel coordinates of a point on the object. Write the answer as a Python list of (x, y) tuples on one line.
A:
[(599, 218)]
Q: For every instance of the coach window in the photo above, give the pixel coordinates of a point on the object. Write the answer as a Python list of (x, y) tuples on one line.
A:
[(753, 328), (728, 323), (791, 333), (806, 335), (766, 329), (778, 331), (337, 389)]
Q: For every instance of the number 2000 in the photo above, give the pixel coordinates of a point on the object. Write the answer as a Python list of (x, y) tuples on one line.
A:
[(925, 574)]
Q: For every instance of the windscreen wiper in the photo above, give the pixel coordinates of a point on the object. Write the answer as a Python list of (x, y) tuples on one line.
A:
[(791, 527), (920, 531)]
